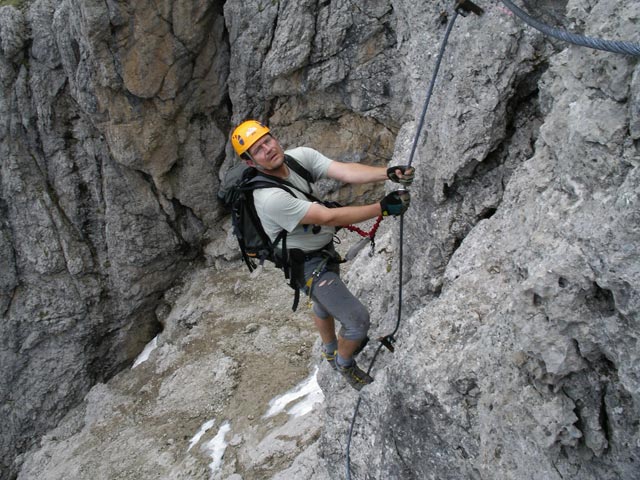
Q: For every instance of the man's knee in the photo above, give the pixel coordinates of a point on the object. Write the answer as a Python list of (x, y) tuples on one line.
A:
[(356, 325), (363, 322)]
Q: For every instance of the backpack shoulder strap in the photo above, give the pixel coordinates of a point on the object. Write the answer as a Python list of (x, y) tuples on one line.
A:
[(267, 182), (262, 180), (294, 165)]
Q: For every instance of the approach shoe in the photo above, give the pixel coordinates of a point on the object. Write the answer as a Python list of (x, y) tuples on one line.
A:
[(330, 358), (355, 376)]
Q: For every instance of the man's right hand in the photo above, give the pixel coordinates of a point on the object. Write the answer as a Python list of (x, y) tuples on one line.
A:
[(405, 177), (396, 203)]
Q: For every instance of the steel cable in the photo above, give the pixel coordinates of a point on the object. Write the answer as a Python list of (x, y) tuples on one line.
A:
[(582, 40), (401, 236), (614, 46)]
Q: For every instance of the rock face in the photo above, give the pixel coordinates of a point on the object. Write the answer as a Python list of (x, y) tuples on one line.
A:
[(517, 350), (111, 128)]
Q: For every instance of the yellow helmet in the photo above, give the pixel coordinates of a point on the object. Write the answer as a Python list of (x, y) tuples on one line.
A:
[(246, 134)]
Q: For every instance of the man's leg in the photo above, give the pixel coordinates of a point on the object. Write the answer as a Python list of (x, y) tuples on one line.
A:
[(326, 328), (325, 324), (333, 299), (347, 347)]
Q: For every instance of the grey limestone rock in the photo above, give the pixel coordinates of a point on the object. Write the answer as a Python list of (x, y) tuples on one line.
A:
[(99, 215), (517, 352)]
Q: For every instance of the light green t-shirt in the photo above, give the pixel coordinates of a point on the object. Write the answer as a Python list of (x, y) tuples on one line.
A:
[(279, 210)]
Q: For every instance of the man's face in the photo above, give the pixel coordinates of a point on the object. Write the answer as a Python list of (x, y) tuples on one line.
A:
[(267, 154)]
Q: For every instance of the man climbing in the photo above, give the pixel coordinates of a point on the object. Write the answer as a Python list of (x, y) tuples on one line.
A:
[(310, 228)]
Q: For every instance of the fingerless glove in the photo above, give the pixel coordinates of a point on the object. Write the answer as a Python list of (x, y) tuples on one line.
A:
[(395, 203), (408, 174)]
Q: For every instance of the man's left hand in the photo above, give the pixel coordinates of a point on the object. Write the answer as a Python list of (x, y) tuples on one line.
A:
[(395, 203), (401, 174)]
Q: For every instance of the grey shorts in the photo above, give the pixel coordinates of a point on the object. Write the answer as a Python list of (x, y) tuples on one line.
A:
[(332, 298)]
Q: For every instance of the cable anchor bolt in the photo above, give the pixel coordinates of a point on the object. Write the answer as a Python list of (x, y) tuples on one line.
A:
[(388, 342), (463, 7)]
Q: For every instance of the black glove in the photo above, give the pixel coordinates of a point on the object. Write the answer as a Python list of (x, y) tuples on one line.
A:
[(396, 203), (407, 174)]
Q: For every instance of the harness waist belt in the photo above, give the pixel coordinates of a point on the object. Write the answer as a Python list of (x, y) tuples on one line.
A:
[(327, 250)]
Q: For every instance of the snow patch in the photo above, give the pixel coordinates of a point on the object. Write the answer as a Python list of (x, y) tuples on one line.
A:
[(144, 356), (203, 429), (216, 447), (307, 394)]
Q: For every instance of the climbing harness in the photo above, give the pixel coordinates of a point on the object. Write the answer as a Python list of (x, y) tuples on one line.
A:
[(319, 270), (464, 7)]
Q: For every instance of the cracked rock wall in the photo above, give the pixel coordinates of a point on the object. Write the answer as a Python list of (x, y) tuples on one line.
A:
[(517, 354), (113, 116)]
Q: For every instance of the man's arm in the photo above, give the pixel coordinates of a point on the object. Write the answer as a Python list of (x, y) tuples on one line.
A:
[(356, 172), (394, 203), (318, 214), (359, 173)]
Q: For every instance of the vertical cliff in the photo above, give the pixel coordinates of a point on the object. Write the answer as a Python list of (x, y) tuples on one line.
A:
[(112, 121), (516, 355)]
